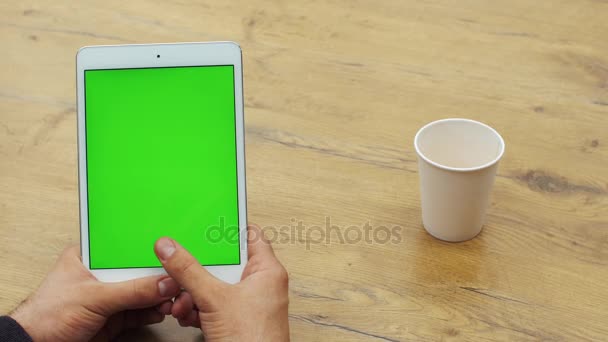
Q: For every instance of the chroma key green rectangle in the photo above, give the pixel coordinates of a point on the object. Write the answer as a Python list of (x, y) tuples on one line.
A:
[(161, 161)]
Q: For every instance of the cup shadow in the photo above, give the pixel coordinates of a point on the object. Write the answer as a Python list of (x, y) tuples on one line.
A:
[(441, 263)]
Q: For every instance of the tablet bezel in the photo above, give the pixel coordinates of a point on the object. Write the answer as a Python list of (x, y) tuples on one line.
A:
[(149, 56)]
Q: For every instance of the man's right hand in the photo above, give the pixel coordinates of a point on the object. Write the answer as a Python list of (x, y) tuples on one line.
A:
[(253, 310)]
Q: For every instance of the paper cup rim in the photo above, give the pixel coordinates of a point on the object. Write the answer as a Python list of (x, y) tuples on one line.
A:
[(460, 169)]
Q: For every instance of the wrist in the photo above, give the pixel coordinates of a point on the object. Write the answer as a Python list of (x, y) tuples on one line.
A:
[(26, 320)]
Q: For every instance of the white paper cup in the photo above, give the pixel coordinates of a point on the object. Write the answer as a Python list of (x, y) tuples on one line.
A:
[(457, 161)]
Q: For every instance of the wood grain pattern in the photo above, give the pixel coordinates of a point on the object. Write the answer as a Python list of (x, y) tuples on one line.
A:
[(335, 91)]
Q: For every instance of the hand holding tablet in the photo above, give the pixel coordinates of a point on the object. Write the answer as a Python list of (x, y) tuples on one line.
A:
[(253, 310), (71, 305), (161, 153)]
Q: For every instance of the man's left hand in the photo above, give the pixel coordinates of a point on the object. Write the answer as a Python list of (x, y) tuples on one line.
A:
[(72, 305)]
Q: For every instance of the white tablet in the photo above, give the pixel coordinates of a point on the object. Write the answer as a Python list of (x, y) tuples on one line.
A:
[(161, 153)]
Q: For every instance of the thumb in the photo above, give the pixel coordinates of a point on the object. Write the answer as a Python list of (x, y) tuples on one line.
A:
[(137, 293), (187, 271)]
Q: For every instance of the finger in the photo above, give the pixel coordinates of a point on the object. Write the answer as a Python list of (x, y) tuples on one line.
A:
[(183, 305), (126, 320), (149, 316), (138, 318), (191, 320), (187, 271), (71, 251), (165, 307), (137, 293), (70, 256), (257, 244), (261, 255)]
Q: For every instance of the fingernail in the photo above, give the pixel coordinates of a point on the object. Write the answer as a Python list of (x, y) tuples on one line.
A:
[(165, 248), (167, 287)]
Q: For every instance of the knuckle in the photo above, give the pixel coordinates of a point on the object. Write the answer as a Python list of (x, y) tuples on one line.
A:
[(137, 290), (188, 266)]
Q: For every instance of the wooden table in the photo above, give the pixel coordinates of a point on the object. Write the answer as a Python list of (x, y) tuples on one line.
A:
[(334, 92)]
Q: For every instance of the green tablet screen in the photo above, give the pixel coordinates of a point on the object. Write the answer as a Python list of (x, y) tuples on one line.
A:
[(161, 161)]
